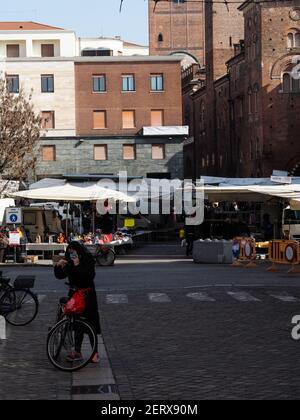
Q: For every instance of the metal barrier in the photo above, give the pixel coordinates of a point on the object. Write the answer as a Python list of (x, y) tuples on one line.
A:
[(244, 249), (284, 252)]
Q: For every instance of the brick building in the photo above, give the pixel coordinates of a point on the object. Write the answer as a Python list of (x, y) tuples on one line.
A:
[(177, 26), (96, 98), (252, 125), (116, 98)]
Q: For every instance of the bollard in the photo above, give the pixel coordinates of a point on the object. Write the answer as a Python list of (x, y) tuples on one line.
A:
[(2, 328)]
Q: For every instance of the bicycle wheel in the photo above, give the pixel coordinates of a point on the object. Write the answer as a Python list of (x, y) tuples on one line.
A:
[(106, 258), (19, 307), (68, 337)]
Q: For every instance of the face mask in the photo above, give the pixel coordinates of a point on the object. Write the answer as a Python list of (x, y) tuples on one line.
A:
[(73, 255)]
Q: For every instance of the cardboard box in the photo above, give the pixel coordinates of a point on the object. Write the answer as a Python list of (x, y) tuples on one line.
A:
[(32, 259)]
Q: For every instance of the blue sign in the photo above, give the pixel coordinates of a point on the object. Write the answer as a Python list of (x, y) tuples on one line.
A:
[(13, 218)]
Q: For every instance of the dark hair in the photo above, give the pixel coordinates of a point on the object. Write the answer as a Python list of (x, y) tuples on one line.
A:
[(84, 254)]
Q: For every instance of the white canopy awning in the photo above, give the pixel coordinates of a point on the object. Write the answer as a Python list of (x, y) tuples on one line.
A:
[(69, 192), (181, 130)]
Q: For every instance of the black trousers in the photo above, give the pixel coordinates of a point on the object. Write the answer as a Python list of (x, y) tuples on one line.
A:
[(2, 255), (189, 244), (79, 336)]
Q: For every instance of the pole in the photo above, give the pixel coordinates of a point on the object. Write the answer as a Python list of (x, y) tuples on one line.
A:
[(80, 220), (2, 328), (67, 221), (93, 222)]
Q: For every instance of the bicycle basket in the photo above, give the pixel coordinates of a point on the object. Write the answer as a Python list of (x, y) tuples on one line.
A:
[(24, 282)]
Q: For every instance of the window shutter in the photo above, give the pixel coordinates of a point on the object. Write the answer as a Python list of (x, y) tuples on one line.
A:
[(158, 151), (48, 118), (100, 152), (99, 120), (129, 152), (128, 118), (48, 153), (47, 50), (157, 118), (13, 50)]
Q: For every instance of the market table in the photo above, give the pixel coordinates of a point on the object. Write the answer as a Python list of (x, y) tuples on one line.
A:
[(46, 247)]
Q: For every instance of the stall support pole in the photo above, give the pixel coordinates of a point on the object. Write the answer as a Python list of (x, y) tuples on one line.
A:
[(80, 221), (67, 221), (2, 328), (93, 220)]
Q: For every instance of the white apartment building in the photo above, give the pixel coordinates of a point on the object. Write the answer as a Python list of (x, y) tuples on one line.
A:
[(40, 60)]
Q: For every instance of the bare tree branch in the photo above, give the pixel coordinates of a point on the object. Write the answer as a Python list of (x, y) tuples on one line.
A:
[(20, 130)]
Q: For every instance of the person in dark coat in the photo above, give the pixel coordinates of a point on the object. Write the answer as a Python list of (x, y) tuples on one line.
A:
[(79, 267)]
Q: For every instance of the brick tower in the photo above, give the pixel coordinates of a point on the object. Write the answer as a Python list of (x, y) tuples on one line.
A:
[(177, 26), (224, 27)]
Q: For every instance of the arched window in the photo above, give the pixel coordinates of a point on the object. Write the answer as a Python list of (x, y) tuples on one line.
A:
[(295, 85), (293, 40), (286, 83), (250, 101), (160, 38), (255, 90), (290, 38), (202, 113)]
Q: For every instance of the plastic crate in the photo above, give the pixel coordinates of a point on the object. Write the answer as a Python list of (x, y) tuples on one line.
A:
[(24, 282)]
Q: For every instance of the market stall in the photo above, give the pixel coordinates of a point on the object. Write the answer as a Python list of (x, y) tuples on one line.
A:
[(63, 191)]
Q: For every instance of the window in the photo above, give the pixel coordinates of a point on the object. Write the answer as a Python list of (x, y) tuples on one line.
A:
[(100, 152), (48, 120), (99, 84), (250, 101), (13, 83), (47, 50), (293, 40), (128, 119), (13, 50), (157, 118), (100, 52), (128, 83), (157, 82), (48, 153), (47, 81), (158, 151), (240, 108), (290, 84), (129, 152), (99, 118), (290, 40), (160, 38), (256, 89)]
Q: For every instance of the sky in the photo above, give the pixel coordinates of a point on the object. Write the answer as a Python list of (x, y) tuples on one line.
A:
[(89, 18)]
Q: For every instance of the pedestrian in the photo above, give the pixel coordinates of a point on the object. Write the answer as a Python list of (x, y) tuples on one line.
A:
[(189, 233), (4, 242), (79, 267)]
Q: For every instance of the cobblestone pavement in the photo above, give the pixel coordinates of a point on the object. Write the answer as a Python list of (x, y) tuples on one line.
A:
[(25, 370), (225, 348), (173, 330)]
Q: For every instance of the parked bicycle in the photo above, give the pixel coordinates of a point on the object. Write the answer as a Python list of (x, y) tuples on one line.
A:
[(18, 304), (69, 334)]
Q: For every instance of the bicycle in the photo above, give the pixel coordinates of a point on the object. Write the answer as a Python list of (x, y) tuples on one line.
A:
[(105, 256), (4, 284), (18, 304), (69, 333)]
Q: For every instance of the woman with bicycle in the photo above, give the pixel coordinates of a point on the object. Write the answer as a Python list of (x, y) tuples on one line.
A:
[(79, 267)]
